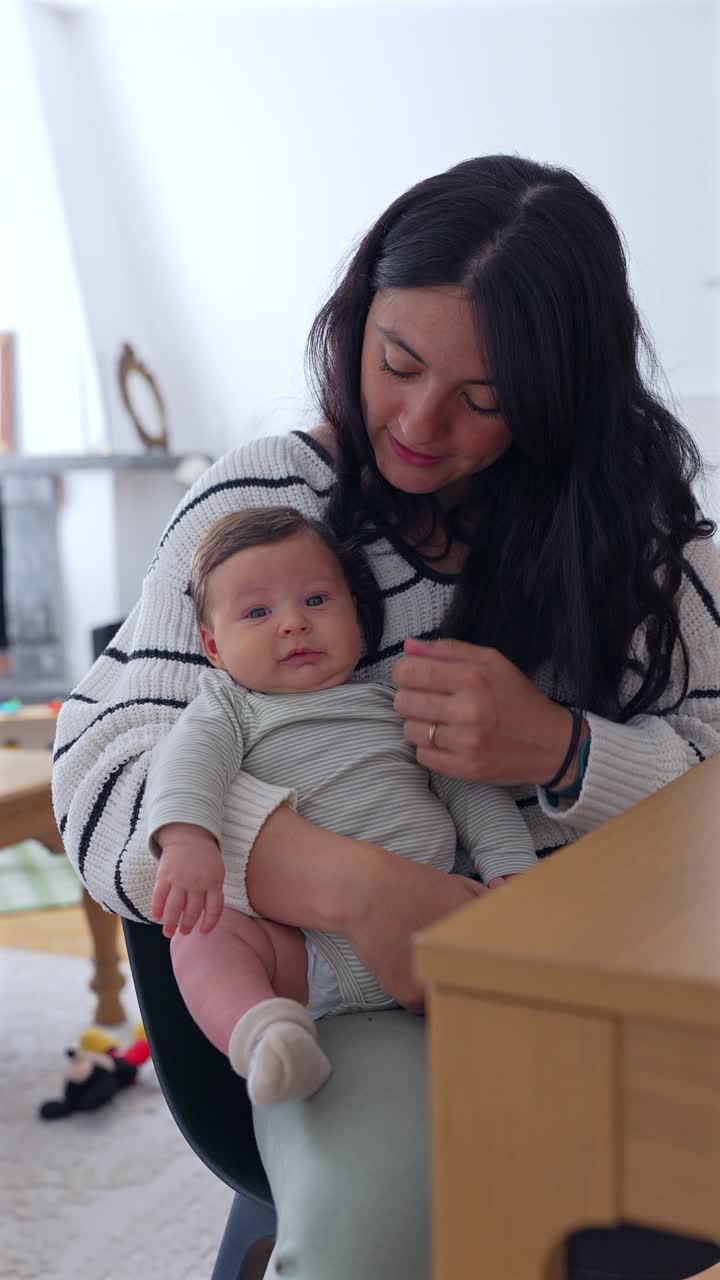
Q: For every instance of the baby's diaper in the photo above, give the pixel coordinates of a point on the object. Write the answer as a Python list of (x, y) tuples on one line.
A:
[(323, 990)]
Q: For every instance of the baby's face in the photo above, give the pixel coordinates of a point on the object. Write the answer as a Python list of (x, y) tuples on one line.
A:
[(281, 618)]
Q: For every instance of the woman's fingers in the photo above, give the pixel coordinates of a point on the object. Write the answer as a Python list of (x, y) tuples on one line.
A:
[(418, 733), (456, 764), (475, 709), (493, 723), (460, 751), (430, 707), (457, 733), (448, 650), (433, 676)]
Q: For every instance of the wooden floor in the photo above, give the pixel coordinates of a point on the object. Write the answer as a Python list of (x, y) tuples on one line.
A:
[(59, 930)]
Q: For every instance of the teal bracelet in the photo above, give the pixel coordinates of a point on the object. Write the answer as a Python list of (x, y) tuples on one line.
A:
[(573, 791)]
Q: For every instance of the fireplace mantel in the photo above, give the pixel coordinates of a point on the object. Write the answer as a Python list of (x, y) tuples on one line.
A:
[(12, 464)]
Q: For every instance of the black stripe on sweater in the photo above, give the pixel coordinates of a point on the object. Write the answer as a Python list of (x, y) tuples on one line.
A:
[(704, 693), (702, 591), (62, 825), (694, 693), (402, 586), (527, 802), (80, 697), (177, 703), (242, 482), (96, 813), (121, 893), (318, 449), (164, 655), (393, 650), (697, 750)]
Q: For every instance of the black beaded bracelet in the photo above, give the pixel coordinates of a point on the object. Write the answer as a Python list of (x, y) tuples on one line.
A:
[(578, 718)]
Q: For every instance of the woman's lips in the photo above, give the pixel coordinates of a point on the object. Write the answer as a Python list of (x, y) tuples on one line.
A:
[(409, 456)]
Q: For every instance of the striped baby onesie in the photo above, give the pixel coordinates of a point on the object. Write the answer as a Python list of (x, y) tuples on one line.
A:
[(343, 752)]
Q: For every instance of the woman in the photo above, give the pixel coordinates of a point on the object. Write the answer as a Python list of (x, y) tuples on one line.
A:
[(488, 435)]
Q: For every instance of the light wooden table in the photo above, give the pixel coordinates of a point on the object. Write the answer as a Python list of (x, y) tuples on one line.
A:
[(575, 1044), (26, 813), (31, 726)]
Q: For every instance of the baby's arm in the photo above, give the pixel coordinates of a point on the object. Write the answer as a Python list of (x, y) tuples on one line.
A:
[(189, 882), (186, 790), (489, 824)]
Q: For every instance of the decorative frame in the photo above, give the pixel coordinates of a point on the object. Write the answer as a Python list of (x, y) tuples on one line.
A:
[(129, 364), (7, 392)]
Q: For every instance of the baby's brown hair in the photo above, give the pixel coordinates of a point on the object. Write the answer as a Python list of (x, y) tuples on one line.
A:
[(260, 526)]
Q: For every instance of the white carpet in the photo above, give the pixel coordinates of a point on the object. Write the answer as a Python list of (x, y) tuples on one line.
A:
[(113, 1195)]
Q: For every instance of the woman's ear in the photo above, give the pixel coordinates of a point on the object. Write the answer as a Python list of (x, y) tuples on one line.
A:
[(210, 648)]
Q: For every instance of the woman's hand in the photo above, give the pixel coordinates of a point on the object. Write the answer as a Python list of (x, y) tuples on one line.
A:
[(300, 874), (401, 898), (492, 723)]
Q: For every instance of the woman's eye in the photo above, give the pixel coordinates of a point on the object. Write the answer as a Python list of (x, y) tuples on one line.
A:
[(469, 404), (317, 599), (259, 612), (476, 408), (396, 373)]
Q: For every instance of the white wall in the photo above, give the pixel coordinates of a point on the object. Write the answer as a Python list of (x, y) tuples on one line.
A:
[(39, 296), (214, 163), (217, 163)]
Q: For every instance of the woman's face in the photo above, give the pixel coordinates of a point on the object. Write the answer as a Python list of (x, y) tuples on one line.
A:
[(429, 407)]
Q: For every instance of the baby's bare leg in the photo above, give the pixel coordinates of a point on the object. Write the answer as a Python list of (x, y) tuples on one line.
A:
[(245, 984), (243, 961)]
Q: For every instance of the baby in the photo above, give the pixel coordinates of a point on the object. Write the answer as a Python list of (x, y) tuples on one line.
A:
[(280, 608)]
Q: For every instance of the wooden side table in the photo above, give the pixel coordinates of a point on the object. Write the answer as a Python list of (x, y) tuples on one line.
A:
[(575, 1044), (26, 813)]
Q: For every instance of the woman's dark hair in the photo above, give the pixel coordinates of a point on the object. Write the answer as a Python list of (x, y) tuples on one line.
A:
[(260, 526), (582, 522)]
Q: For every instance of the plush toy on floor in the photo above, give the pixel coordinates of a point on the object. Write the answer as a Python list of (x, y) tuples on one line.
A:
[(97, 1071)]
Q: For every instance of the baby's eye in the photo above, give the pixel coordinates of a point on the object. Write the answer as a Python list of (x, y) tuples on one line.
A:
[(258, 612), (314, 600)]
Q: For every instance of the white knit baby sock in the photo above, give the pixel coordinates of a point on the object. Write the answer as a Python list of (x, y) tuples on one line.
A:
[(274, 1046)]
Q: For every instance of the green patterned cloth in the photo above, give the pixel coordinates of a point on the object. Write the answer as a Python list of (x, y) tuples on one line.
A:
[(31, 877)]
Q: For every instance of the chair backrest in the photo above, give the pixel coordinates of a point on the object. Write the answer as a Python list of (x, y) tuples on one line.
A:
[(208, 1101)]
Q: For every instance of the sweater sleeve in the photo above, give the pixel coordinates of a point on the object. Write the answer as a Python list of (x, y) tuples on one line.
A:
[(112, 723), (628, 762)]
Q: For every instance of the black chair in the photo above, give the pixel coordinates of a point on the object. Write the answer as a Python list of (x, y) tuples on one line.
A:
[(191, 1072)]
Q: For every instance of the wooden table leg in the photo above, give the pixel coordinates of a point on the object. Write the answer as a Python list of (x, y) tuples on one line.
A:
[(525, 1126), (108, 981)]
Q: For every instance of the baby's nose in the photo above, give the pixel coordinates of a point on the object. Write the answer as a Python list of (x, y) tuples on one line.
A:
[(293, 620)]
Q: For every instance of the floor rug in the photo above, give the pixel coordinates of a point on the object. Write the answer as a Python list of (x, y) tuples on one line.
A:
[(31, 878), (113, 1195)]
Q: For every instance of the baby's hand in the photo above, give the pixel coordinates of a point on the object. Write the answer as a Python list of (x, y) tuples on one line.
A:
[(497, 881), (189, 882)]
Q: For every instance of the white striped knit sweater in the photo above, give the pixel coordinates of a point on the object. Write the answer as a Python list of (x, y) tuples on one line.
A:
[(110, 724)]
